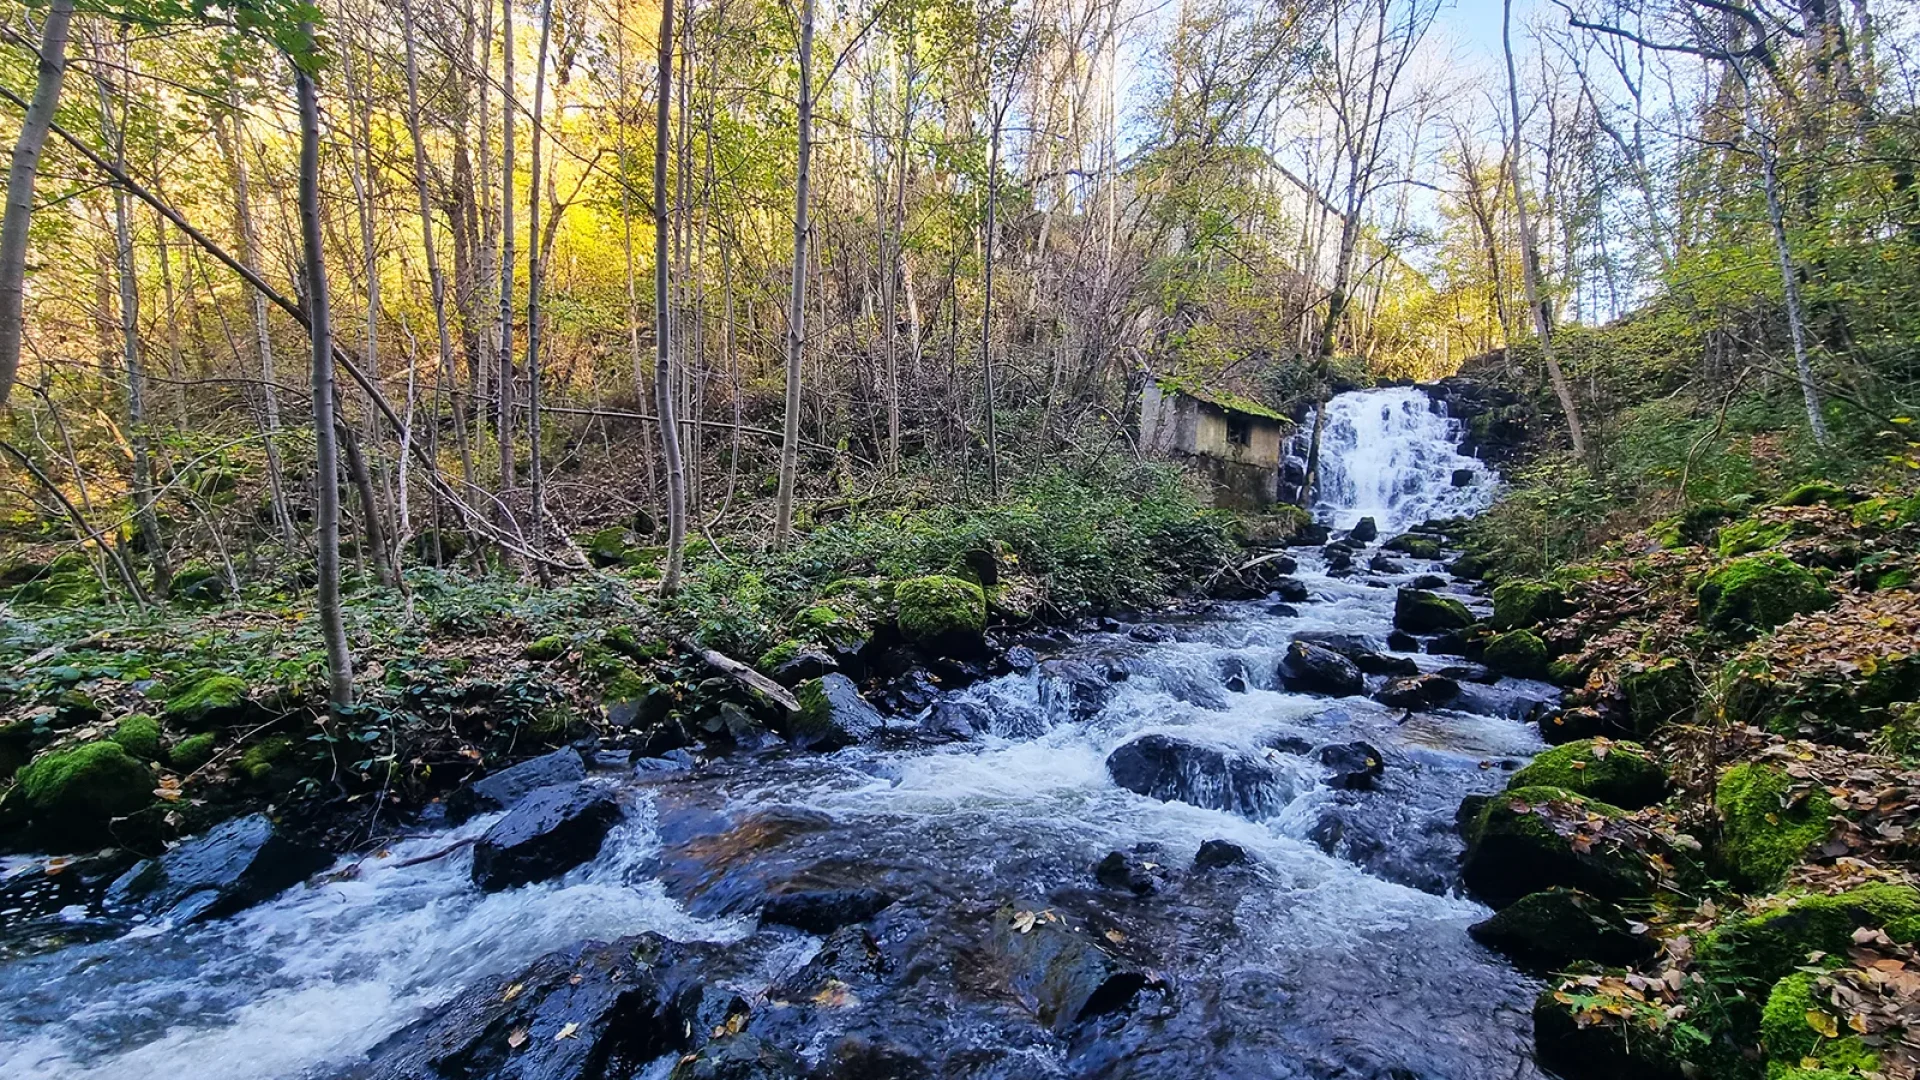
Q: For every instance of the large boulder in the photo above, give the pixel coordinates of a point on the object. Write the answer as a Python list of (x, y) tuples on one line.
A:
[(1059, 974), (1753, 953), (1365, 531), (73, 795), (1418, 692), (1414, 544), (1756, 594), (1361, 649), (1173, 769), (1622, 774), (593, 1010), (231, 867), (1073, 690), (1419, 612), (1519, 653), (1554, 928), (1582, 1041), (1518, 605), (1310, 669), (546, 834), (833, 714), (1788, 1033), (1767, 823), (497, 791), (942, 614), (1537, 838), (213, 700)]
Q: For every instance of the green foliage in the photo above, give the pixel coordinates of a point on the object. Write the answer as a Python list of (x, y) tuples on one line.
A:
[(550, 647), (1758, 593), (1552, 516), (1623, 774), (259, 761), (1766, 827)]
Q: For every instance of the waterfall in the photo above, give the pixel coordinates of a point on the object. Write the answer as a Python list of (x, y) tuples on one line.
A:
[(1393, 455)]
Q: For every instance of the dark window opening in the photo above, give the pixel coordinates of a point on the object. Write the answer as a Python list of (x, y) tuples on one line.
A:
[(1239, 430)]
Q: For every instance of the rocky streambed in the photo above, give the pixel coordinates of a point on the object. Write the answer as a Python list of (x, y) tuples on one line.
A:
[(1217, 845)]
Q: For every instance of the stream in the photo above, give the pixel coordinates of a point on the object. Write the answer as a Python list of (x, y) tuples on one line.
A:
[(1339, 950)]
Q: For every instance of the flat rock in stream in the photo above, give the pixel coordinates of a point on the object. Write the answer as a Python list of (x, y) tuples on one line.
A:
[(594, 1010), (545, 835), (822, 911), (1360, 649), (500, 790), (1059, 974), (231, 867), (1172, 769), (1418, 692)]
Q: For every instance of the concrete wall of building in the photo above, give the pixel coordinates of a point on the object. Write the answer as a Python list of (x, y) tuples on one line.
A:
[(1244, 474)]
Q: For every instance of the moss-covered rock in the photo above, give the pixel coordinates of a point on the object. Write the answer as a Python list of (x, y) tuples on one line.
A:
[(1553, 928), (941, 612), (832, 714), (212, 700), (1658, 693), (1420, 612), (1415, 545), (606, 547), (1753, 953), (191, 752), (197, 583), (1758, 593), (1624, 774), (779, 654), (1525, 841), (1752, 535), (139, 735), (1788, 1034), (1765, 827), (73, 794), (260, 761), (550, 647), (1519, 653), (1582, 1039), (1815, 492), (1520, 604)]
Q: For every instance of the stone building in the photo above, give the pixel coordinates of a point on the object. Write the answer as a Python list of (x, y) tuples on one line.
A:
[(1234, 442)]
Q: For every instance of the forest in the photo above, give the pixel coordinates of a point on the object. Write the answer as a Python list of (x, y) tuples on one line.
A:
[(959, 538)]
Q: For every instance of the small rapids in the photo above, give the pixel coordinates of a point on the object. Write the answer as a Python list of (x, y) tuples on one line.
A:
[(1344, 953)]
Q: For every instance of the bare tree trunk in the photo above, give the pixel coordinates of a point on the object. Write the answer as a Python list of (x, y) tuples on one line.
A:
[(663, 391), (535, 476), (1783, 252), (503, 414), (797, 301), (370, 491), (333, 629), (986, 308), (143, 513), (21, 175), (1529, 254), (436, 280)]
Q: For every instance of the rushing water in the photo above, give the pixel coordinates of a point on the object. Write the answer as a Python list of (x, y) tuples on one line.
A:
[(1389, 455), (1344, 955)]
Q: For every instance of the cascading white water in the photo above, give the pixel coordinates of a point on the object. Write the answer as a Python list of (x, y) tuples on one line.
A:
[(1391, 455)]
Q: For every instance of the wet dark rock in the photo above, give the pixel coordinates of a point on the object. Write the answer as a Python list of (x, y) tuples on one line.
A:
[(1284, 611), (1312, 534), (546, 834), (615, 1004), (1386, 564), (1390, 839), (1552, 929), (1356, 766), (1291, 590), (1218, 854), (1463, 477), (1117, 871), (1359, 648), (1401, 641), (1365, 532), (1074, 689), (1448, 644), (741, 1056), (918, 688), (1312, 669), (1255, 581), (805, 664), (1524, 841), (1339, 564), (822, 911), (1177, 770), (677, 761), (1467, 816), (833, 714), (1511, 699), (1236, 683), (497, 791), (1291, 744), (1418, 692), (1021, 658), (1569, 725), (956, 720), (229, 868), (1150, 633), (1429, 582), (1578, 1050), (1059, 974)]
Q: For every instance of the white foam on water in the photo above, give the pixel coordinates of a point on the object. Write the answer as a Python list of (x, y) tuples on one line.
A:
[(1390, 455)]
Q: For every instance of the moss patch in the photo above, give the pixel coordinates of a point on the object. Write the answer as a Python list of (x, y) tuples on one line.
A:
[(1420, 612), (211, 700), (940, 609), (551, 647), (1524, 842), (73, 794), (1756, 952), (1787, 1031), (262, 758), (1658, 693), (1553, 928), (139, 735), (1520, 604), (1519, 652), (1415, 545), (1624, 774), (1758, 593), (191, 752), (1760, 837)]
